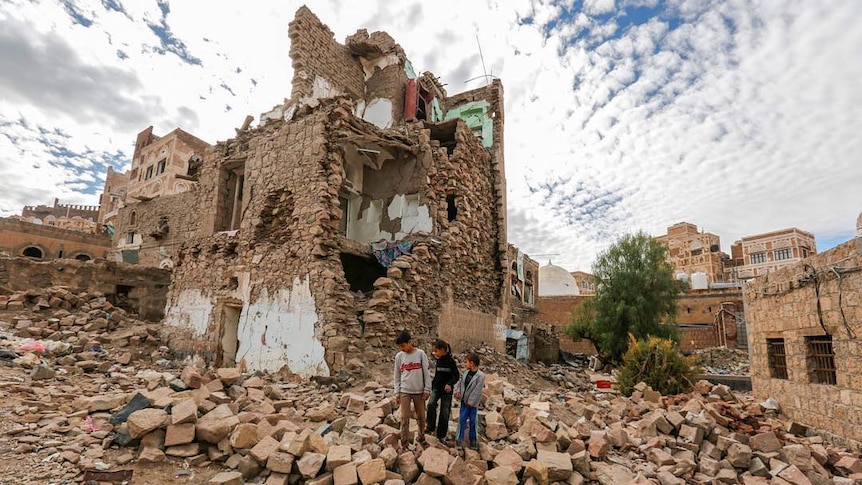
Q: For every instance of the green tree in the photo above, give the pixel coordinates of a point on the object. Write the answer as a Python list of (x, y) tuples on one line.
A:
[(636, 294)]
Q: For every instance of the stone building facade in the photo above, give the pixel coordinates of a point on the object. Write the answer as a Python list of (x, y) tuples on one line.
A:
[(361, 206), (711, 318), (695, 253), (584, 280), (42, 242), (162, 165), (73, 217), (763, 253), (805, 323), (113, 196)]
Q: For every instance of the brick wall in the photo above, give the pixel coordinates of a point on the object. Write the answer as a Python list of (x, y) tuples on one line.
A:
[(558, 310), (784, 305), (315, 52), (464, 328), (15, 236), (697, 338)]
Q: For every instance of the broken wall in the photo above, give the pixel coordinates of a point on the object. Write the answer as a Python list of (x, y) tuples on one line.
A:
[(321, 66), (150, 233), (143, 290), (798, 309)]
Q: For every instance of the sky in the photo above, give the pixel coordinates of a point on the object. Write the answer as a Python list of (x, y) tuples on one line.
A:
[(740, 116)]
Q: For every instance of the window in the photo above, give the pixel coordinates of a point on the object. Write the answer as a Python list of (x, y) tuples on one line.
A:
[(780, 254), (777, 358), (33, 252), (451, 208), (149, 173), (821, 360), (232, 183), (160, 168), (130, 237), (757, 258), (133, 218)]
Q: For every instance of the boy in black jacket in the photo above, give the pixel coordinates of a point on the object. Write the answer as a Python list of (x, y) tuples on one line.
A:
[(445, 377)]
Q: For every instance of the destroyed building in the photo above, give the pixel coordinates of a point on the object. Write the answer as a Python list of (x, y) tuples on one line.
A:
[(369, 202)]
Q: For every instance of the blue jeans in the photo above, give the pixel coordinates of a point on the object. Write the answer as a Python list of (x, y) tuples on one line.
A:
[(467, 414), (439, 427)]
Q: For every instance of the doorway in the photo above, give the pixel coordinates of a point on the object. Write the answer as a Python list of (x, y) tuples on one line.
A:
[(229, 342)]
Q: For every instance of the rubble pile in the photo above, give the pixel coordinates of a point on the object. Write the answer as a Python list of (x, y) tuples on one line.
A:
[(723, 361), (256, 429), (529, 376)]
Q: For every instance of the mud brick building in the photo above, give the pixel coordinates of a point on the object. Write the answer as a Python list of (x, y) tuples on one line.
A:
[(696, 256), (369, 202), (805, 337), (760, 254), (44, 242)]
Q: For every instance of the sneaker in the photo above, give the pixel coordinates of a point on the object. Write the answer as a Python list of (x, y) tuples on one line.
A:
[(474, 445)]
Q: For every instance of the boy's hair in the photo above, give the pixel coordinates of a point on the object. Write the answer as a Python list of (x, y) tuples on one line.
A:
[(442, 344), (403, 337), (471, 357)]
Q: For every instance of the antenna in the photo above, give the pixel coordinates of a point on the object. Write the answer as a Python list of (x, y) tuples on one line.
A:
[(544, 254), (484, 70)]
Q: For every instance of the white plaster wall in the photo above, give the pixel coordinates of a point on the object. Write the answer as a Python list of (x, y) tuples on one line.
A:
[(414, 217), (379, 113), (365, 226), (278, 330), (192, 309), (382, 62)]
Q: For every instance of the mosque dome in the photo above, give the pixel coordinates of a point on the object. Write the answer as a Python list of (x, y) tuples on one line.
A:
[(556, 281)]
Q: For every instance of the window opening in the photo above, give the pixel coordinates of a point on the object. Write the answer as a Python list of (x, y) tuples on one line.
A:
[(229, 343), (780, 254), (133, 218), (33, 252), (149, 173), (160, 168), (758, 258), (451, 208), (821, 360), (777, 357), (231, 206), (343, 203), (83, 257), (361, 271)]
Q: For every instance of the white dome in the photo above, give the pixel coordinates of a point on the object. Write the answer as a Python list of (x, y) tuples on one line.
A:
[(556, 281)]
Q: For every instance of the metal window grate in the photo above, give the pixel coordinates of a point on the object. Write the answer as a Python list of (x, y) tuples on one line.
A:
[(821, 360), (777, 358)]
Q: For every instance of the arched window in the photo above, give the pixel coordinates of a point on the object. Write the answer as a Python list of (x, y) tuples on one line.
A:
[(83, 257), (133, 218), (33, 252)]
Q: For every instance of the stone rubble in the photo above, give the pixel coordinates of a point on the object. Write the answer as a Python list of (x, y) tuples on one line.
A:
[(261, 429), (87, 395)]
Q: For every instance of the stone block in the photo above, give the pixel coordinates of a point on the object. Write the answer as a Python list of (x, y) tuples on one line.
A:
[(226, 478), (345, 474), (146, 420), (372, 471), (280, 462), (310, 463)]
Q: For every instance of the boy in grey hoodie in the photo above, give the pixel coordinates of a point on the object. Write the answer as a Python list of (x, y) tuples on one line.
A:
[(470, 393), (412, 382)]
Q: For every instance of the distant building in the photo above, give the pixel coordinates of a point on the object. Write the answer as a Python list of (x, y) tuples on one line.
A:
[(164, 165), (44, 241), (696, 256), (585, 283), (113, 196), (757, 255)]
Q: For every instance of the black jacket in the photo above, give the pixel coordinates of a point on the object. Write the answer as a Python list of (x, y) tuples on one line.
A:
[(445, 373)]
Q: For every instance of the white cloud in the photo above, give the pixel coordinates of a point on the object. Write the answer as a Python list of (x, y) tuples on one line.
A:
[(737, 115)]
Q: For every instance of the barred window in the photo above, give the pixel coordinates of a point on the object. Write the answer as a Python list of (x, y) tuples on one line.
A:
[(777, 357), (821, 360)]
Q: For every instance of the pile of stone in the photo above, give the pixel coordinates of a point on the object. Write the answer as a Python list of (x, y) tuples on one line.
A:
[(529, 376), (57, 330), (722, 361)]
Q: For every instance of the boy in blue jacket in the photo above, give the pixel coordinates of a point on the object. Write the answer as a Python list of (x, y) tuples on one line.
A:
[(470, 393)]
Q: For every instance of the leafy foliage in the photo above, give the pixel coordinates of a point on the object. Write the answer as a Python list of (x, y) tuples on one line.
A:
[(659, 364), (635, 290)]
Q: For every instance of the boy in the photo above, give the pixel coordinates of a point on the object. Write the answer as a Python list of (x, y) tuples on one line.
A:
[(445, 378), (470, 393), (412, 385)]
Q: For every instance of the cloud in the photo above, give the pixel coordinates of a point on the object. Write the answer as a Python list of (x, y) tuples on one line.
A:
[(45, 70), (737, 115)]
